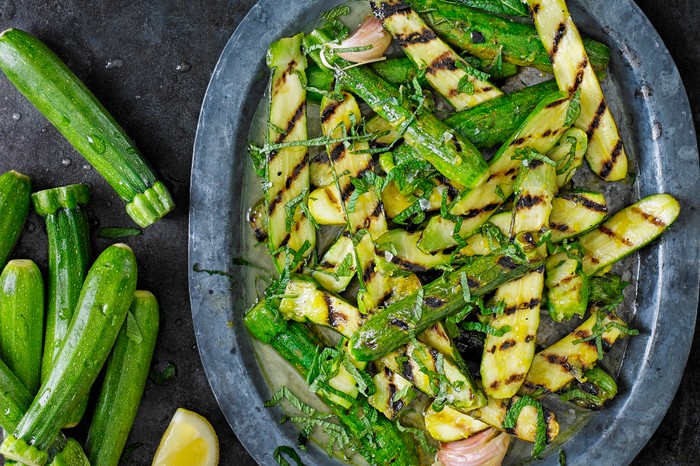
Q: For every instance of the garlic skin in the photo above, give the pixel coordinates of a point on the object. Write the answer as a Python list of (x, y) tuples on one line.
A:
[(487, 448), (370, 32)]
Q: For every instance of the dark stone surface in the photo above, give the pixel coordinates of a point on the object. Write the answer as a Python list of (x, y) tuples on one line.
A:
[(158, 106)]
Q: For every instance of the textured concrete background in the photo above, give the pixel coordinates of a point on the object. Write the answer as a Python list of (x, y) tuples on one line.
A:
[(149, 63)]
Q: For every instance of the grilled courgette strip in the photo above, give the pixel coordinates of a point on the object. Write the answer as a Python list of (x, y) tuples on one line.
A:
[(573, 72), (540, 131), (393, 393), (628, 230), (566, 286), (556, 366), (568, 153), (526, 425), (338, 265), (575, 213), (507, 358), (287, 169), (379, 441), (304, 302), (445, 70)]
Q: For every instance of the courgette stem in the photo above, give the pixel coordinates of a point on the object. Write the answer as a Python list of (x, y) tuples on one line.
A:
[(126, 372), (15, 189), (104, 301), (41, 76), (68, 233), (22, 320), (379, 440)]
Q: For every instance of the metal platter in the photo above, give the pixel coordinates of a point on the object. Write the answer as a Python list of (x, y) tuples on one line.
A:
[(656, 123)]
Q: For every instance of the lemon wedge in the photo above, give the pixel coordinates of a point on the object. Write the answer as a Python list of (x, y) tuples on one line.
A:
[(189, 440)]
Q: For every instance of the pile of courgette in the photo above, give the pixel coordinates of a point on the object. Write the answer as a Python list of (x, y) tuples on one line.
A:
[(436, 244), (55, 342), (57, 335)]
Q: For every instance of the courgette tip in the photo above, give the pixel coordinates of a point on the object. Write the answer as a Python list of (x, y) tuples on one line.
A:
[(49, 201), (149, 206), (17, 174), (143, 294)]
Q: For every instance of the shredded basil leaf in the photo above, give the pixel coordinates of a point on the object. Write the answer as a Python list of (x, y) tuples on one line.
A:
[(511, 421), (159, 377), (281, 451), (116, 232), (133, 331), (486, 328)]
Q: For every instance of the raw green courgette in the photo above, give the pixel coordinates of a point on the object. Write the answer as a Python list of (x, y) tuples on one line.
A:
[(102, 307), (22, 321), (68, 104), (15, 400), (126, 372), (15, 189), (68, 232)]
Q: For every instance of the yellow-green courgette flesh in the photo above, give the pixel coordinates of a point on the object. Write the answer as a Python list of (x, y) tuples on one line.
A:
[(22, 320), (575, 213), (15, 189), (65, 214), (70, 106), (573, 71), (628, 230), (507, 357), (126, 372), (104, 301)]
